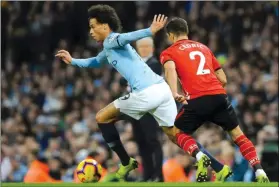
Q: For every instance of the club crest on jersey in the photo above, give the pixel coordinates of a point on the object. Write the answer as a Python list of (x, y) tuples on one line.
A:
[(114, 62), (125, 97)]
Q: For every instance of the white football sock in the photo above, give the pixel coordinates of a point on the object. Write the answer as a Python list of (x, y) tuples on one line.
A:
[(260, 172), (199, 155)]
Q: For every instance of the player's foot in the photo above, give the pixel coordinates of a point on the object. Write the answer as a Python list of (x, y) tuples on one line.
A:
[(123, 171), (262, 179), (222, 175), (203, 163)]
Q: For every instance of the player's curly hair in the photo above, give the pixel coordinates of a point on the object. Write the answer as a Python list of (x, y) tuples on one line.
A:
[(105, 14), (177, 26)]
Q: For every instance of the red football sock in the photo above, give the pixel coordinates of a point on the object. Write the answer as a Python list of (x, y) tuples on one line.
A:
[(247, 150), (187, 143)]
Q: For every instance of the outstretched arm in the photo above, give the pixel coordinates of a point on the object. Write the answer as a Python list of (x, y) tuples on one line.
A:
[(94, 62), (119, 40)]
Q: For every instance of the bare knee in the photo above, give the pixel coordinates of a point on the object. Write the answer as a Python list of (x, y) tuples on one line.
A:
[(99, 117), (107, 115), (235, 133)]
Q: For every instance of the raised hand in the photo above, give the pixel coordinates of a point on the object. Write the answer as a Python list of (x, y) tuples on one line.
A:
[(158, 23), (65, 56)]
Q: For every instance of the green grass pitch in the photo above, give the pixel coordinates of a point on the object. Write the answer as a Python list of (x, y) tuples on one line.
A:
[(137, 184)]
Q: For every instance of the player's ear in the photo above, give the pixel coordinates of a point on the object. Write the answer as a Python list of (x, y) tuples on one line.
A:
[(170, 36)]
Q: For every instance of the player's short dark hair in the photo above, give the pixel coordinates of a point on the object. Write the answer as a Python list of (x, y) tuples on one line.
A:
[(105, 14), (177, 26)]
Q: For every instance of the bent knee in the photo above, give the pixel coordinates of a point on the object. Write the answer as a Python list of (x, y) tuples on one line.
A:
[(105, 117), (99, 117)]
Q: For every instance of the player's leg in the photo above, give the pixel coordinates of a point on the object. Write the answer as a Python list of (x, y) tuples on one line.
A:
[(227, 119), (137, 104), (190, 118), (189, 145), (222, 171), (215, 164), (249, 152), (203, 161), (146, 132), (106, 119), (189, 122), (165, 115), (133, 105), (204, 107)]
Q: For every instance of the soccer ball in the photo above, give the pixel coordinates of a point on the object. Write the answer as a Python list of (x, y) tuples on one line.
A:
[(89, 170)]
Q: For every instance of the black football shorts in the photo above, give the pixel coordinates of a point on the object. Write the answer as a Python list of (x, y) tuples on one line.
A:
[(210, 108)]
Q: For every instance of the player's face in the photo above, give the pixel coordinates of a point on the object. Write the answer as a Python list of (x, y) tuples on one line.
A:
[(145, 48), (97, 30)]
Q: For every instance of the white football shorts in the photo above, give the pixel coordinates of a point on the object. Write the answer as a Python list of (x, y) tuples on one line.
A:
[(156, 100)]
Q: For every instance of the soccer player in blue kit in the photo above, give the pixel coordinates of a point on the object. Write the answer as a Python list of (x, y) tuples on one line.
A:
[(150, 93)]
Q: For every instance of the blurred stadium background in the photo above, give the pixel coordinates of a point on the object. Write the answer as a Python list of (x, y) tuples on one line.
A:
[(48, 108)]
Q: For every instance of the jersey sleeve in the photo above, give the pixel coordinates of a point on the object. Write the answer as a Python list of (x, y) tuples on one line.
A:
[(94, 62), (120, 40), (164, 57)]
